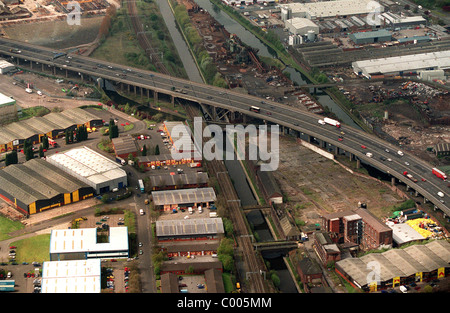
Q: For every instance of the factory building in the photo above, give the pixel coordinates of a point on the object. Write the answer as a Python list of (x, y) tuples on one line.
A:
[(9, 110), (6, 67), (362, 38), (53, 125), (301, 26), (415, 263), (179, 136), (394, 66), (77, 276), (317, 10), (169, 200), (83, 244), (92, 168), (37, 185), (178, 181), (190, 229), (124, 146)]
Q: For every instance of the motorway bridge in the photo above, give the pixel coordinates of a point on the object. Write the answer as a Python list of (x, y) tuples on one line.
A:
[(355, 143)]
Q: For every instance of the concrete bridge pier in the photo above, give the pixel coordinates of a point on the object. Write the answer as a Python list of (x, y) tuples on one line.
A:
[(392, 181)]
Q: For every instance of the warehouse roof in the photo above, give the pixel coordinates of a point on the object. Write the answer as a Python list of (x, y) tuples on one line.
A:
[(371, 34), (85, 240), (399, 262), (333, 8), (124, 145), (35, 180), (75, 276), (5, 100), (181, 196), (299, 22), (185, 227), (402, 233), (182, 179), (88, 164), (440, 59), (42, 125)]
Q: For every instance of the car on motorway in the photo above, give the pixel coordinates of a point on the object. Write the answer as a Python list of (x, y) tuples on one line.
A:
[(363, 146), (387, 150), (382, 158), (340, 138), (423, 179), (389, 160), (407, 163)]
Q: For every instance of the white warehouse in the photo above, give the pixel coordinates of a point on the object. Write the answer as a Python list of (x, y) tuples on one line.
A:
[(301, 26), (403, 64), (323, 9), (92, 168)]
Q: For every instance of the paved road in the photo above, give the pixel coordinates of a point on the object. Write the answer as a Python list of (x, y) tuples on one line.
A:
[(269, 111)]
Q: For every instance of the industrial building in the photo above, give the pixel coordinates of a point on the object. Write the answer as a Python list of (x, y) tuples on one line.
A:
[(78, 276), (82, 244), (124, 146), (178, 181), (92, 168), (406, 63), (37, 185), (358, 227), (361, 38), (301, 26), (189, 229), (442, 149), (53, 125), (398, 266), (316, 10), (9, 110), (6, 67), (169, 200)]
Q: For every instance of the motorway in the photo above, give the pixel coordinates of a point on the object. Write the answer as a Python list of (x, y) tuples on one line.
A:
[(273, 112)]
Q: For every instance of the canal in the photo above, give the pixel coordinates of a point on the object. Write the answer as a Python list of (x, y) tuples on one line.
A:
[(251, 40)]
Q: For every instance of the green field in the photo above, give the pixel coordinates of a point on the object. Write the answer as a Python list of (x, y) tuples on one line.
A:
[(32, 249), (7, 226)]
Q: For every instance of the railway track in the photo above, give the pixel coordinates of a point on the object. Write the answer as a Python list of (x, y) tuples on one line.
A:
[(253, 263), (143, 40)]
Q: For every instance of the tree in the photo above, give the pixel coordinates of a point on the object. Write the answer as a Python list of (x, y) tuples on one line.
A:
[(144, 150), (157, 150), (45, 142), (11, 158), (67, 137), (41, 151)]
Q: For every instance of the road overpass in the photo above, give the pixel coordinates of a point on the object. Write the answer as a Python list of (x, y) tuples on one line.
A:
[(354, 143)]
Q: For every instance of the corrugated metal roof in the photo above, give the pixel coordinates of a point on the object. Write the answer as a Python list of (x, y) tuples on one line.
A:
[(181, 196), (194, 226)]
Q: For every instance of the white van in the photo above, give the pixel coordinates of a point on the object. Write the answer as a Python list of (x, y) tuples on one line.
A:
[(141, 212), (400, 153), (440, 194)]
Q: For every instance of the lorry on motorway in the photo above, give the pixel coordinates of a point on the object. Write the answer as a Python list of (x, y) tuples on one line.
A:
[(439, 173), (332, 122), (410, 176)]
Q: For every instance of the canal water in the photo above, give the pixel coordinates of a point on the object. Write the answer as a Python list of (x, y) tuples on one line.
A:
[(251, 40)]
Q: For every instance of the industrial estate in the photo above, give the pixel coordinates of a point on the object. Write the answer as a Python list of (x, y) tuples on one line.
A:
[(105, 186)]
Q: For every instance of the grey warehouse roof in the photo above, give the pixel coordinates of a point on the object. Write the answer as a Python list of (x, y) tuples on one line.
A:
[(183, 179), (42, 125), (399, 262), (181, 196), (35, 180), (194, 226)]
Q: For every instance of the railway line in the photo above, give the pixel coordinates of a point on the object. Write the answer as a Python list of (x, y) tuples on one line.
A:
[(143, 40), (253, 263)]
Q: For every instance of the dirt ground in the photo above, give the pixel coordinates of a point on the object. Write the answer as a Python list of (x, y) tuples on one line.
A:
[(315, 185)]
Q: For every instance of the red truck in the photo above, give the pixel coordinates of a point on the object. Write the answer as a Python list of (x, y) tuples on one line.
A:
[(439, 173), (410, 176)]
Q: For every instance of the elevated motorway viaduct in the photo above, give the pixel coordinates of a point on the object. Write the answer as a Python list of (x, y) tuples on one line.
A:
[(305, 124)]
